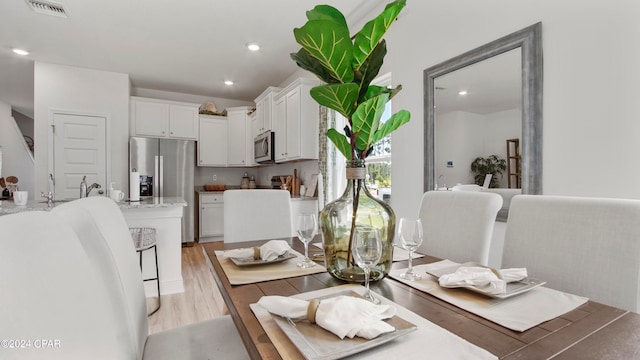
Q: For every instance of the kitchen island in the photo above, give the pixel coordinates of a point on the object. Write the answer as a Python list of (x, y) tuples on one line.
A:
[(163, 214)]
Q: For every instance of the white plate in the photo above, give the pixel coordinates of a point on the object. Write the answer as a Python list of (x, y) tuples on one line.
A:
[(316, 343), (253, 262), (513, 288)]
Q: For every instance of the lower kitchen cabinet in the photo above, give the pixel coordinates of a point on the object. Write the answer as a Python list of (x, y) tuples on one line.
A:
[(211, 215)]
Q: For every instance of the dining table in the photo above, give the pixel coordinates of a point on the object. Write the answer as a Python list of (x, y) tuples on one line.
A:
[(590, 331)]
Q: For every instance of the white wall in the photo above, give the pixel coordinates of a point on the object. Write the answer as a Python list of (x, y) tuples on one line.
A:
[(58, 87), (16, 159), (591, 130)]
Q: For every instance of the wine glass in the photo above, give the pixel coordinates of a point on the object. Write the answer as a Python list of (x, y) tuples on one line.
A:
[(410, 234), (366, 250), (307, 227)]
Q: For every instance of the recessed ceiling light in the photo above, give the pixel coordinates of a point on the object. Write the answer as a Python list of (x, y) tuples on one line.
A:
[(253, 46), (463, 92), (20, 52), (228, 82)]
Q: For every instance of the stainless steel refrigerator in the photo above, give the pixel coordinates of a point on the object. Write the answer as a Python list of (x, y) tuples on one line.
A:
[(166, 168)]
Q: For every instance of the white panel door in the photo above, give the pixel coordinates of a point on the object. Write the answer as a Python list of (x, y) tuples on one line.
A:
[(79, 149)]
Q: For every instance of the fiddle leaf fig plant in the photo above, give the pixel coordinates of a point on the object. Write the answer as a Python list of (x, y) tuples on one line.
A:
[(348, 65)]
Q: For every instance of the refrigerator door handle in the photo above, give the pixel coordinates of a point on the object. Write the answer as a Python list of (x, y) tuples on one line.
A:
[(161, 176), (156, 178)]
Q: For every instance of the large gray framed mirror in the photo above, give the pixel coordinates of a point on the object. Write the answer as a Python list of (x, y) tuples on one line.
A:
[(524, 45)]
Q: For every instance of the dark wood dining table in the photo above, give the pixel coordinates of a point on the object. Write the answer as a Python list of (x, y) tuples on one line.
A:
[(591, 331)]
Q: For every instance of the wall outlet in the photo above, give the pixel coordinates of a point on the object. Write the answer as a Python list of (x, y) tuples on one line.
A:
[(215, 177)]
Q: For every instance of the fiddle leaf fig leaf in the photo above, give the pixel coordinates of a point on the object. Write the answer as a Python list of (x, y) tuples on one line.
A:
[(394, 122), (375, 90), (329, 42), (307, 62), (369, 69), (340, 142), (327, 12), (373, 31), (366, 119), (339, 97)]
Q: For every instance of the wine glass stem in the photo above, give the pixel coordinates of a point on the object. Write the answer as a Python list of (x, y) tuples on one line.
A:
[(410, 269), (306, 250), (366, 280)]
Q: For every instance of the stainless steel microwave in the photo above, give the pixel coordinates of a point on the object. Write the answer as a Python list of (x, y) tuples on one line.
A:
[(263, 148)]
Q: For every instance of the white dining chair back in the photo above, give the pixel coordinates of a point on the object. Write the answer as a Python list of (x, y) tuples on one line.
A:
[(215, 338), (113, 233), (256, 215), (53, 294), (584, 246), (458, 224)]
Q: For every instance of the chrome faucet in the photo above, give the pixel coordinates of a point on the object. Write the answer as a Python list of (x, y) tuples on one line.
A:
[(84, 190), (48, 196)]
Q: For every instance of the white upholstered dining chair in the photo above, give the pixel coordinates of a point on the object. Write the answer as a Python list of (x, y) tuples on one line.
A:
[(584, 246), (256, 215), (215, 338), (51, 290), (458, 224)]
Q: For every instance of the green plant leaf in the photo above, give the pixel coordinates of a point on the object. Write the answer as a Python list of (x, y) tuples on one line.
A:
[(339, 97), (327, 12), (375, 90), (373, 31), (307, 62), (394, 122), (340, 142), (369, 69), (366, 119), (329, 42)]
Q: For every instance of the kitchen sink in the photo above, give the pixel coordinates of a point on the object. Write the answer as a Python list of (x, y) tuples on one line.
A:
[(54, 201)]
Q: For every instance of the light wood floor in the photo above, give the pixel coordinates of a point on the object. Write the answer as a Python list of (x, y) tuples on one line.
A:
[(200, 301)]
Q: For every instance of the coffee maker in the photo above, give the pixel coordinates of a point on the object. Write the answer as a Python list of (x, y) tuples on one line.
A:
[(146, 185)]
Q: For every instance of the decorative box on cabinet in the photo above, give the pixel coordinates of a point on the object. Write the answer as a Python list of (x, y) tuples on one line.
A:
[(264, 110), (296, 121), (211, 215), (212, 141), (163, 118)]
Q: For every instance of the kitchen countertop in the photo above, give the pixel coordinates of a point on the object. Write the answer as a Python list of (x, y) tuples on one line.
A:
[(8, 207), (200, 189)]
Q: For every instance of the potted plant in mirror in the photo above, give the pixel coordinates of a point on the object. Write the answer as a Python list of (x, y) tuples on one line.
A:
[(347, 65), (490, 165)]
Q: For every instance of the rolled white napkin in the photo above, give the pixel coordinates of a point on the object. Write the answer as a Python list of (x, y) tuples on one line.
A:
[(267, 252), (482, 278), (342, 315)]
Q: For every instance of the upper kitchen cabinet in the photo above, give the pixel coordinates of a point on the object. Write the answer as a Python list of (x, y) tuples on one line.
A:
[(212, 141), (163, 119), (296, 122), (240, 137), (264, 110)]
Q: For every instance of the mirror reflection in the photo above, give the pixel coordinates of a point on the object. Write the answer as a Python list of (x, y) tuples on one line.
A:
[(478, 123), (483, 123)]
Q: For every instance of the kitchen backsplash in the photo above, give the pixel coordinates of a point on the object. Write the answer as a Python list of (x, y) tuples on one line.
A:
[(233, 176)]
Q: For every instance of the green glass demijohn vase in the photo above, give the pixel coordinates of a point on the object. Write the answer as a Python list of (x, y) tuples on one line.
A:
[(338, 219)]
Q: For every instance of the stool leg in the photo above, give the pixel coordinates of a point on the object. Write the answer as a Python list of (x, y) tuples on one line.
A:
[(155, 250)]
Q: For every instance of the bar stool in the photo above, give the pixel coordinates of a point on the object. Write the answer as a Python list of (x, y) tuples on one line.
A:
[(145, 239)]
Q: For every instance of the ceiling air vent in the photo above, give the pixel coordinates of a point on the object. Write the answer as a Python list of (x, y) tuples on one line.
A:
[(47, 8)]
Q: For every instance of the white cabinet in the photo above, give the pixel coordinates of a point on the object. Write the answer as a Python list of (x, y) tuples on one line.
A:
[(211, 214), (212, 141), (296, 122), (240, 137), (264, 110), (163, 119)]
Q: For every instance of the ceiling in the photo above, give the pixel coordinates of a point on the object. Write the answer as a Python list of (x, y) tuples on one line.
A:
[(186, 46)]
